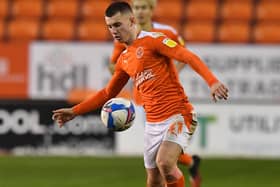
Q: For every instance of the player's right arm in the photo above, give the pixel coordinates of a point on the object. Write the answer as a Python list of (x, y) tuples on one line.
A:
[(118, 81)]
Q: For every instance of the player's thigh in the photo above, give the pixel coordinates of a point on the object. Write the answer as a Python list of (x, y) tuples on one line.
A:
[(178, 133), (168, 154)]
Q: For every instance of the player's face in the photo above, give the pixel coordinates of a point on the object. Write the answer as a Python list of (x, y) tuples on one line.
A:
[(142, 11), (120, 26)]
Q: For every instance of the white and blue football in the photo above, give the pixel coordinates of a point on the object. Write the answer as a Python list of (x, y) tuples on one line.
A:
[(118, 114)]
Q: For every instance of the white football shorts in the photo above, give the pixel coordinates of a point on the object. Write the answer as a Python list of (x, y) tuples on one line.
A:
[(172, 129)]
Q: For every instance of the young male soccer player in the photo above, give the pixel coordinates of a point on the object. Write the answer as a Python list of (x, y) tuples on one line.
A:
[(143, 12), (148, 61)]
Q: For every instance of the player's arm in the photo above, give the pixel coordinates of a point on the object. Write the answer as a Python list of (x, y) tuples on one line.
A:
[(171, 49), (118, 81), (180, 65), (118, 49), (177, 38)]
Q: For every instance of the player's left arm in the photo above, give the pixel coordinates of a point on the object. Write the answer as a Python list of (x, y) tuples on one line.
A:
[(172, 49), (177, 38), (180, 65)]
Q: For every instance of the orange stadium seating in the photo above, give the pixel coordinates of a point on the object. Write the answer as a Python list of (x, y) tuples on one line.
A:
[(3, 9), (199, 31), (267, 33), (27, 8), (94, 9), (234, 32), (67, 9), (201, 10), (89, 30), (202, 0), (23, 30), (236, 10), (2, 32), (58, 30), (167, 11), (251, 1), (223, 21), (268, 11)]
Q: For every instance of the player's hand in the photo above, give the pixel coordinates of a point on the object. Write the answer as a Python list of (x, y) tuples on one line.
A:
[(61, 116), (219, 91)]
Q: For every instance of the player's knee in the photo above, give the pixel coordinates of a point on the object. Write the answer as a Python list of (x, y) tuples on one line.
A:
[(155, 181), (165, 167)]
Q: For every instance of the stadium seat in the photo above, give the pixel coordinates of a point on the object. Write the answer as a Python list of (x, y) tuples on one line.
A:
[(169, 11), (2, 30), (266, 33), (199, 31), (251, 1), (23, 30), (67, 9), (268, 11), (3, 9), (90, 30), (58, 30), (201, 10), (236, 10), (27, 8), (94, 9), (203, 0), (176, 25), (233, 32)]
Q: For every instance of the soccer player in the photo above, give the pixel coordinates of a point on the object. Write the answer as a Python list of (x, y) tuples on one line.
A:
[(143, 11), (148, 61)]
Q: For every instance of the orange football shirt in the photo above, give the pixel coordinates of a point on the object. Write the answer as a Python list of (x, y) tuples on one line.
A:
[(157, 27), (148, 61)]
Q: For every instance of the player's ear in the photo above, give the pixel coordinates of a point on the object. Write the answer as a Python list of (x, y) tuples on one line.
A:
[(132, 20)]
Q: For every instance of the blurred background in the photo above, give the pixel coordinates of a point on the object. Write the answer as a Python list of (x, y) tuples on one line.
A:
[(54, 53)]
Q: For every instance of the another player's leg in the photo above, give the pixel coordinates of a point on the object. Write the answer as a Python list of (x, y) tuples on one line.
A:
[(167, 163), (186, 160), (195, 178), (192, 163)]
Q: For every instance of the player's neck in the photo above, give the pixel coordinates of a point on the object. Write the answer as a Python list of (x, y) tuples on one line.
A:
[(133, 36), (148, 26)]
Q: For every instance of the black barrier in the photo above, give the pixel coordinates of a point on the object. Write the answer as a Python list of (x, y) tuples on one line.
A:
[(27, 127)]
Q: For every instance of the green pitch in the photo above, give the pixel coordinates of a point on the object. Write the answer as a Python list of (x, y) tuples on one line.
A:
[(128, 172)]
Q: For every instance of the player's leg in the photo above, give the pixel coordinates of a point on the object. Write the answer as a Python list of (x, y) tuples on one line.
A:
[(176, 140), (154, 178), (191, 162), (186, 160), (153, 136), (195, 178), (167, 163)]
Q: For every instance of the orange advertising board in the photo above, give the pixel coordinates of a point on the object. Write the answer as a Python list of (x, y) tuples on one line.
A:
[(13, 70)]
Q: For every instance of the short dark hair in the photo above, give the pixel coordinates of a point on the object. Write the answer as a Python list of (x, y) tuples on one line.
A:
[(119, 6)]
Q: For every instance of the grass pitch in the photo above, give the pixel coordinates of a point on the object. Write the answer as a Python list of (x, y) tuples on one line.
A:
[(128, 172)]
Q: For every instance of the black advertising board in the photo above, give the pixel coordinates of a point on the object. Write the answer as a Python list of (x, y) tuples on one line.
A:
[(27, 127)]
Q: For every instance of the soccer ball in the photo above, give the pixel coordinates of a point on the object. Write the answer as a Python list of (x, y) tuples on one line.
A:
[(118, 114)]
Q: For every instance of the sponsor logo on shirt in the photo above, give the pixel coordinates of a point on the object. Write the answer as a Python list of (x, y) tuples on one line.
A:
[(168, 42), (143, 76)]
